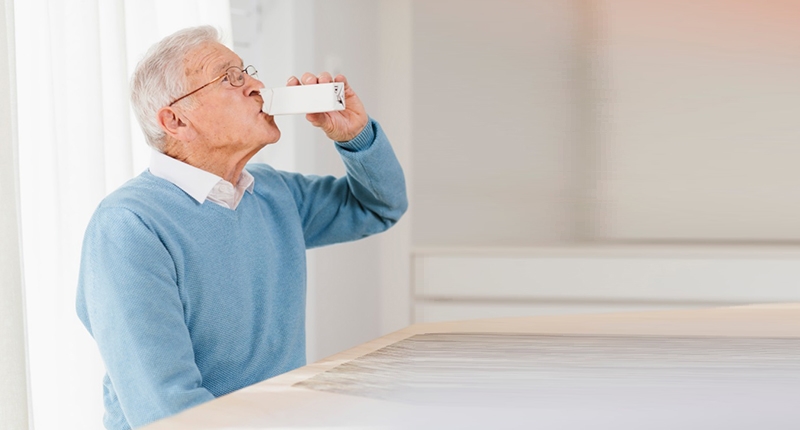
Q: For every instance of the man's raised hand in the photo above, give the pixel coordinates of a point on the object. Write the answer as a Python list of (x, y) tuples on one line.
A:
[(342, 125)]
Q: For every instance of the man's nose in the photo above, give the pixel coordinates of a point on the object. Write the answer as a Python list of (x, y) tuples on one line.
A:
[(253, 82)]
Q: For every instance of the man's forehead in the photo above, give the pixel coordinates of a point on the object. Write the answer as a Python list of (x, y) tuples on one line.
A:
[(221, 67), (213, 58)]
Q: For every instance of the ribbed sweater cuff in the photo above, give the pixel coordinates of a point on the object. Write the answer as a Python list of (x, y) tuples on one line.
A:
[(363, 140)]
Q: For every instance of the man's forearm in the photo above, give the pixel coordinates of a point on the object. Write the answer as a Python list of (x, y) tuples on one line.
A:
[(371, 162)]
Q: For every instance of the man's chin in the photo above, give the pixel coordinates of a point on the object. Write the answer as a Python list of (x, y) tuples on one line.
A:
[(274, 137), (275, 140), (273, 132)]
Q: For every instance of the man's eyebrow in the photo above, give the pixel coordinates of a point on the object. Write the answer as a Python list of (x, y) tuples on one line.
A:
[(221, 68)]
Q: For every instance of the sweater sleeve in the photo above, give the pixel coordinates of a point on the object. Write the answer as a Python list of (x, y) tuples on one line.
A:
[(368, 200), (128, 299)]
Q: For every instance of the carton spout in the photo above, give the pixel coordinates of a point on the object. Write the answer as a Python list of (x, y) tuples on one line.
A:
[(266, 94)]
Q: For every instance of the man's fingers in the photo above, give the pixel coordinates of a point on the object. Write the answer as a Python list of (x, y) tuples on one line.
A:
[(293, 81), (316, 119), (308, 78), (347, 90)]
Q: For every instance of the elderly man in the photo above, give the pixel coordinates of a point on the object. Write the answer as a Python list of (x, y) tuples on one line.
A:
[(192, 277)]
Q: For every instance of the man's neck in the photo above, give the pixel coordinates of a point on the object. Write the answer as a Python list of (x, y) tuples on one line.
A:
[(228, 165)]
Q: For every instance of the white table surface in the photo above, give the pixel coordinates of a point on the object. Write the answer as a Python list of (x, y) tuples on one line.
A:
[(278, 403)]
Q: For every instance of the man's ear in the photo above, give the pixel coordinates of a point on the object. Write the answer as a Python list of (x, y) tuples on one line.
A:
[(176, 125)]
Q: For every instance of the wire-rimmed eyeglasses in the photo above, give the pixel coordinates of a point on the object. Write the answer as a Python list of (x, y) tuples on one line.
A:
[(234, 74)]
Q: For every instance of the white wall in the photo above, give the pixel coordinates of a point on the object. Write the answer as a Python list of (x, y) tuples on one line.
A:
[(698, 107), (497, 122), (558, 122), (395, 109)]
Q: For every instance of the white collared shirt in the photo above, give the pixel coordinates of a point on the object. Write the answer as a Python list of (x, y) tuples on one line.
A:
[(198, 183)]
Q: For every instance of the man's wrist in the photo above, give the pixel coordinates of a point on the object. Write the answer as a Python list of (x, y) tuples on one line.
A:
[(363, 140)]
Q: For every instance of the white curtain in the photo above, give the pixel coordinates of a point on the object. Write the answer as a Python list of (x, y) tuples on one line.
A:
[(13, 372), (78, 141)]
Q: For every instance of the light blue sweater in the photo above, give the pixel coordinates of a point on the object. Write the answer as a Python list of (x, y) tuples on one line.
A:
[(190, 301)]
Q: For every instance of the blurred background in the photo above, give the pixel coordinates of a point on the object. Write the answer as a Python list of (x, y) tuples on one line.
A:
[(562, 157)]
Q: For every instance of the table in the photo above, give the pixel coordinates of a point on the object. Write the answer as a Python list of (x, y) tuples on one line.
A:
[(735, 367)]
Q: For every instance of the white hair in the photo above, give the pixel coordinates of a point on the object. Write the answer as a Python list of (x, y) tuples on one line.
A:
[(160, 78)]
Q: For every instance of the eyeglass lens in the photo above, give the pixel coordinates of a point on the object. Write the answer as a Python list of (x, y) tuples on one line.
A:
[(236, 75)]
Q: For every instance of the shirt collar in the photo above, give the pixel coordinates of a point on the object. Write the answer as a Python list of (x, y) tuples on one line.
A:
[(193, 181), (248, 181)]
